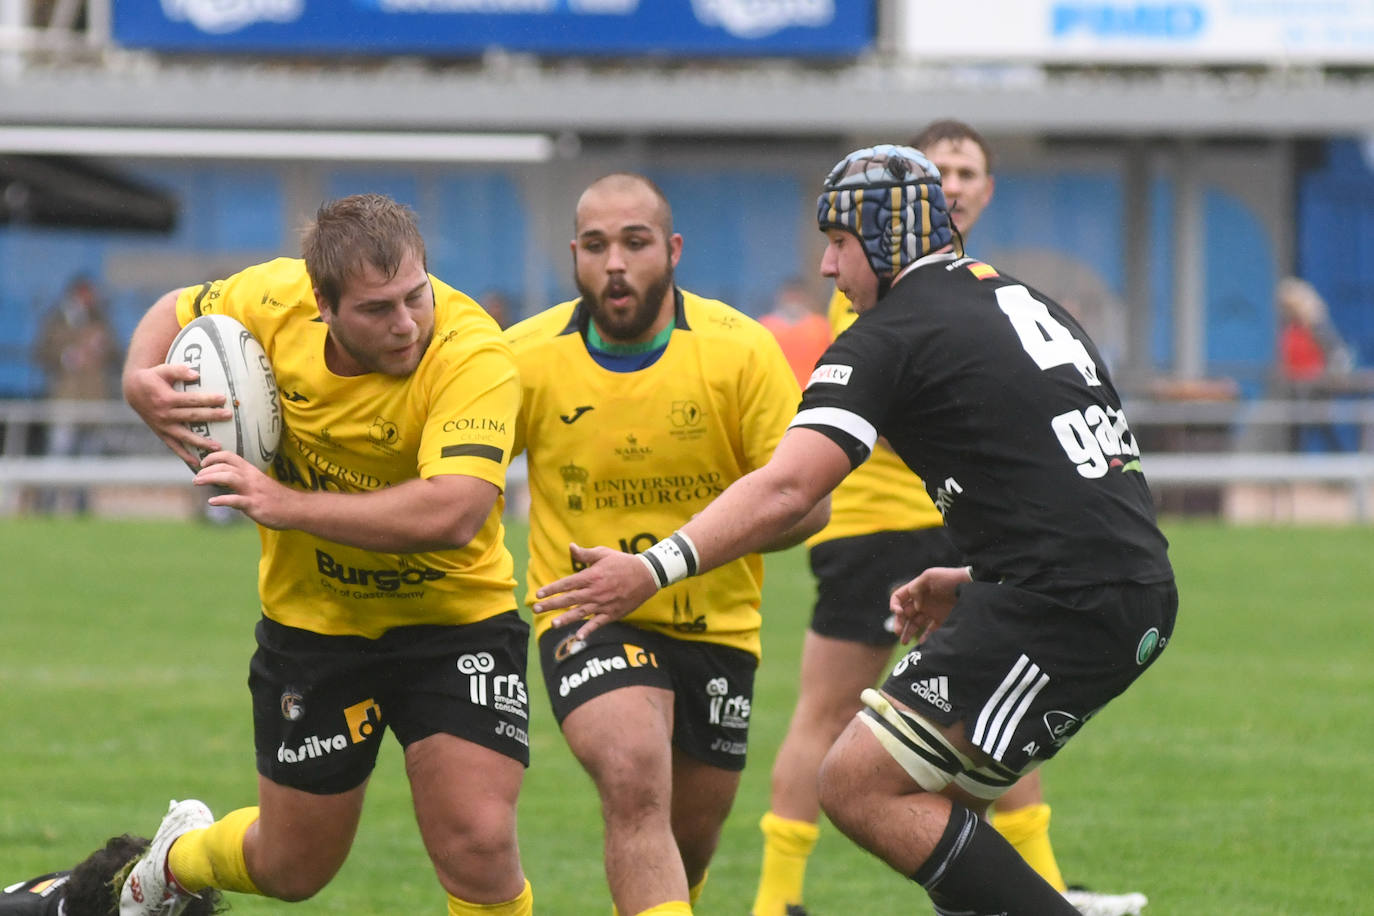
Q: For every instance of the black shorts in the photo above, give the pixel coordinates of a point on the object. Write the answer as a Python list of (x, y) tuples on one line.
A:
[(712, 685), (1024, 671), (322, 703), (856, 576)]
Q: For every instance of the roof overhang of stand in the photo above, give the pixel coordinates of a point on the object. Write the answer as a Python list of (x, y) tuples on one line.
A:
[(70, 192)]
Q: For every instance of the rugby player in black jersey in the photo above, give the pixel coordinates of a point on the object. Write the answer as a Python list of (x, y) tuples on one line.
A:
[(996, 397), (89, 888)]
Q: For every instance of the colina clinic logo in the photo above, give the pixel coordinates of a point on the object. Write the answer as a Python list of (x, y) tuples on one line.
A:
[(221, 16), (757, 18)]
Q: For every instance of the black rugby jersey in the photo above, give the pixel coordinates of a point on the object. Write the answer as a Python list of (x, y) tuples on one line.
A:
[(994, 395), (41, 896)]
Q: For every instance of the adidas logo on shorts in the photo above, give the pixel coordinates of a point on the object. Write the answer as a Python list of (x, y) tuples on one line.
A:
[(934, 690)]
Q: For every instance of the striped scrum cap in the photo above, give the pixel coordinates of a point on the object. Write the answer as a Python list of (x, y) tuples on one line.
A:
[(890, 198)]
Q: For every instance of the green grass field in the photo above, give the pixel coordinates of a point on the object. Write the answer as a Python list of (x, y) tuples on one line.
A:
[(1232, 780)]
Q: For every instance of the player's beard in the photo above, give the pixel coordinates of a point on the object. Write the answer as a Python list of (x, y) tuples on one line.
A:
[(635, 324)]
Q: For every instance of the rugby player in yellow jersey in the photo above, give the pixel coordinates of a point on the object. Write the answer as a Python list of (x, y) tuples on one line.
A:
[(641, 403), (387, 593)]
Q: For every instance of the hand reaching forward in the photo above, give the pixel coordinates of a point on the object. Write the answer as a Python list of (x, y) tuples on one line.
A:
[(924, 603), (612, 585)]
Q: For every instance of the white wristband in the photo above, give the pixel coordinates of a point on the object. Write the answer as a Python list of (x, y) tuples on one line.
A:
[(671, 560)]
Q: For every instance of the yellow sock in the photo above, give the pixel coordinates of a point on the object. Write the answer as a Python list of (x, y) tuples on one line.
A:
[(694, 892), (1028, 831), (671, 908), (523, 905), (787, 844), (213, 857)]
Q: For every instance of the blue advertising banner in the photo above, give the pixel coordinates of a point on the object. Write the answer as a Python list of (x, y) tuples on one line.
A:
[(469, 27)]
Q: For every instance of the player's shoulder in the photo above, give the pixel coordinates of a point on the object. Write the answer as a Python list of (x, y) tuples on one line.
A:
[(277, 274), (270, 291), (720, 322), (462, 327), (541, 328)]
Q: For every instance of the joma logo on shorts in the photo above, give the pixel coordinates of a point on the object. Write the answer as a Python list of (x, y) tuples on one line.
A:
[(387, 580)]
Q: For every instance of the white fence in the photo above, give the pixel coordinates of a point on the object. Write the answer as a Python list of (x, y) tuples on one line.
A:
[(1238, 449)]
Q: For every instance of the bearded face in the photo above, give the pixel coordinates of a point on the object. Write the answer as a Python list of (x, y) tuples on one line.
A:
[(623, 260)]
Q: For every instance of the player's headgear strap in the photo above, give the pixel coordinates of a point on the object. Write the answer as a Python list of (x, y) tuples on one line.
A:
[(890, 197)]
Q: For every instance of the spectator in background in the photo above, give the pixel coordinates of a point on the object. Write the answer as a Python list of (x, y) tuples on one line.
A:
[(801, 330), (80, 358), (1309, 345), (498, 306), (1311, 352)]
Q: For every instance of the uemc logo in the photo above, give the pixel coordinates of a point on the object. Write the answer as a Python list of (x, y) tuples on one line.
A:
[(1128, 20)]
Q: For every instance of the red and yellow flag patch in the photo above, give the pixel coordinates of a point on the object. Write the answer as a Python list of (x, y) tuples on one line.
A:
[(982, 271)]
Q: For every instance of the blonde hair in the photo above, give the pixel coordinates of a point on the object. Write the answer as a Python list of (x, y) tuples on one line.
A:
[(1299, 301), (353, 231)]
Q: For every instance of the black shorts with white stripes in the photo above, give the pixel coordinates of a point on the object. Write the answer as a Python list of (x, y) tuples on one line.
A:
[(1023, 671)]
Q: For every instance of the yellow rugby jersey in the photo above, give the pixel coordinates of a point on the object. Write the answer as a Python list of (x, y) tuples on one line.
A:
[(623, 459), (454, 415), (882, 494)]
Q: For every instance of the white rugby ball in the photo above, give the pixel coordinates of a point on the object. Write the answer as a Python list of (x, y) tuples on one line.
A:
[(232, 362)]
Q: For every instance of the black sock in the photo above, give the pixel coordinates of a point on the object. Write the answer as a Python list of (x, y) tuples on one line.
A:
[(974, 872)]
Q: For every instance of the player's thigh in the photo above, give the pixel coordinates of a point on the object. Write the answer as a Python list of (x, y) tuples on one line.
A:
[(465, 802), (623, 739), (465, 681), (833, 674), (612, 695), (858, 774)]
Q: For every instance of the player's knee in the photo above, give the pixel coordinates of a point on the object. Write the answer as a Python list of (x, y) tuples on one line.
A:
[(476, 865), (292, 885), (821, 721), (629, 795), (629, 781)]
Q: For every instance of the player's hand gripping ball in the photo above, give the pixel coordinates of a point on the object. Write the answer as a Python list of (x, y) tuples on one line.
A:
[(231, 361)]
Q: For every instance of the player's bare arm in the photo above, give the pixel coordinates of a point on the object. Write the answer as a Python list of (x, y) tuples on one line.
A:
[(924, 603), (148, 380), (812, 522), (444, 512), (752, 512)]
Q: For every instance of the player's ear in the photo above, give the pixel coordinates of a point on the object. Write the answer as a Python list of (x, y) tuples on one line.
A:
[(674, 248), (326, 313)]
